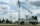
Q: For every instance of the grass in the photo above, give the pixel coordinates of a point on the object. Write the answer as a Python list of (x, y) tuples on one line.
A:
[(17, 25)]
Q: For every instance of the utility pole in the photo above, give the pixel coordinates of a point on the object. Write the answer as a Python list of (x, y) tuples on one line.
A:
[(19, 4), (10, 15)]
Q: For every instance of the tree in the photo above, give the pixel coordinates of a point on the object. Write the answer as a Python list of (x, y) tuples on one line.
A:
[(0, 20), (7, 21), (16, 22), (3, 21), (35, 17)]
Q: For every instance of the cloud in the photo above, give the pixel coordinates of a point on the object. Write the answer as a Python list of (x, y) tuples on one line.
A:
[(26, 1), (22, 0), (11, 5), (9, 2), (20, 9), (16, 14), (4, 9), (35, 11), (35, 3), (38, 14), (38, 19), (1, 2)]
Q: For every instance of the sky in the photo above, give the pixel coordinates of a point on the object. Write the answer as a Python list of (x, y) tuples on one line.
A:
[(11, 6)]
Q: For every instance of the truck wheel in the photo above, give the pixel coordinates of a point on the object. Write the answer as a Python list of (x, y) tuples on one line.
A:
[(22, 22)]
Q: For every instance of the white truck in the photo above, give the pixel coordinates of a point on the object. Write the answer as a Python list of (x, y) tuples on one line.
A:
[(33, 20)]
